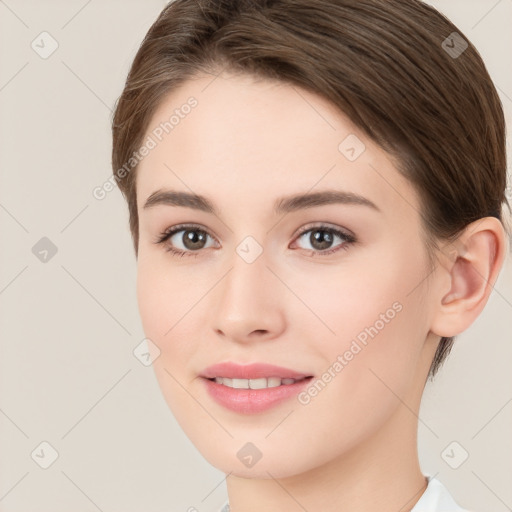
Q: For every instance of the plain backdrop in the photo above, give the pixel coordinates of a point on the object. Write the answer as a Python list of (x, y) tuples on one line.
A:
[(69, 324)]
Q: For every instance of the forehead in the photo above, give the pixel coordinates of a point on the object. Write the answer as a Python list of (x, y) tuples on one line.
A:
[(232, 136)]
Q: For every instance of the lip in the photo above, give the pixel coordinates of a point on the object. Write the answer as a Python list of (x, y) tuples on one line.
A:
[(252, 401), (251, 371)]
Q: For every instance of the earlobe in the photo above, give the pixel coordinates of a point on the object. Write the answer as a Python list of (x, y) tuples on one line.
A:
[(474, 267)]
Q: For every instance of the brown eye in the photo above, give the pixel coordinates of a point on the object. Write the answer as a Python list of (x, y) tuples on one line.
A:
[(193, 239), (184, 240), (321, 239)]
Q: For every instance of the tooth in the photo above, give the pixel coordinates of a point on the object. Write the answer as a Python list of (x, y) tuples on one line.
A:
[(273, 382), (258, 383), (261, 383), (241, 383)]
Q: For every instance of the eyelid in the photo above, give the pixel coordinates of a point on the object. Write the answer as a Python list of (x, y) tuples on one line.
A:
[(327, 226), (167, 233)]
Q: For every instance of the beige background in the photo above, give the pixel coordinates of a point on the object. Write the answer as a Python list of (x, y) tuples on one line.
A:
[(69, 326)]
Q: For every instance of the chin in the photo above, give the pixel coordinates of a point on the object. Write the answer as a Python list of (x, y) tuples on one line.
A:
[(279, 466)]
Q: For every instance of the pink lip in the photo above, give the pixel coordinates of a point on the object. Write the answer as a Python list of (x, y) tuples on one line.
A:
[(250, 401), (250, 371)]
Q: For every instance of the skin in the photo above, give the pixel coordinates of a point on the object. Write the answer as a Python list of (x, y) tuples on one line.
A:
[(353, 446)]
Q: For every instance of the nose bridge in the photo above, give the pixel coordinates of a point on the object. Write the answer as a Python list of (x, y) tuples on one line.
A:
[(246, 300), (246, 280)]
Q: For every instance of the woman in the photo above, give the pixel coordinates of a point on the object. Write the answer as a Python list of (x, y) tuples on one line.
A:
[(315, 190)]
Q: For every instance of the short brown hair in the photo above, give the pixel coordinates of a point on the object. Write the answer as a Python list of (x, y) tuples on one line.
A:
[(386, 64)]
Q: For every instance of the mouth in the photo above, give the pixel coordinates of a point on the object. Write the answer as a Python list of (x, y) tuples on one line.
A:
[(252, 388)]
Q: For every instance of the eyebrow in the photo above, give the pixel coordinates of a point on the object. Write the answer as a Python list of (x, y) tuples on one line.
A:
[(283, 205)]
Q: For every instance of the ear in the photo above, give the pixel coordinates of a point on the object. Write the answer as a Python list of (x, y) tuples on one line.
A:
[(468, 271)]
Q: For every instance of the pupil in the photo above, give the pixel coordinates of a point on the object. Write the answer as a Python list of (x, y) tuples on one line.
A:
[(321, 241), (194, 239)]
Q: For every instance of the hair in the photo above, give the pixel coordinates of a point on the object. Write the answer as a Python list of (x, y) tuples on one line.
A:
[(384, 63)]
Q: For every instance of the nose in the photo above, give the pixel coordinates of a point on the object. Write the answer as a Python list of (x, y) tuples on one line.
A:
[(248, 303)]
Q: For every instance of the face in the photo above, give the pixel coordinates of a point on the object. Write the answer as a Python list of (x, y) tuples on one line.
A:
[(332, 287)]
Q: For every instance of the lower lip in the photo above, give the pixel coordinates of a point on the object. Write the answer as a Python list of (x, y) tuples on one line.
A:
[(250, 401)]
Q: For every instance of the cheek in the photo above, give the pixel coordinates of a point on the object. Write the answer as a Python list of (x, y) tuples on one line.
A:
[(166, 299), (374, 324)]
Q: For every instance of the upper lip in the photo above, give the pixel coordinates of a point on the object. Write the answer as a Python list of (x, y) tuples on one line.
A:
[(250, 371)]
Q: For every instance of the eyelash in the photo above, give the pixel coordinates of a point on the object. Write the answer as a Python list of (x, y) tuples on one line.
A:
[(348, 239)]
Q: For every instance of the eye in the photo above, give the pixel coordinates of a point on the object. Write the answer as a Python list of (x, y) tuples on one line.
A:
[(189, 240), (321, 239), (189, 243)]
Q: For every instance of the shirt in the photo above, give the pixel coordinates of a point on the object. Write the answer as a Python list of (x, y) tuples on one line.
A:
[(435, 498)]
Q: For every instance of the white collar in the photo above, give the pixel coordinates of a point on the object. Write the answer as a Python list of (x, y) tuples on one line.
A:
[(435, 498)]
